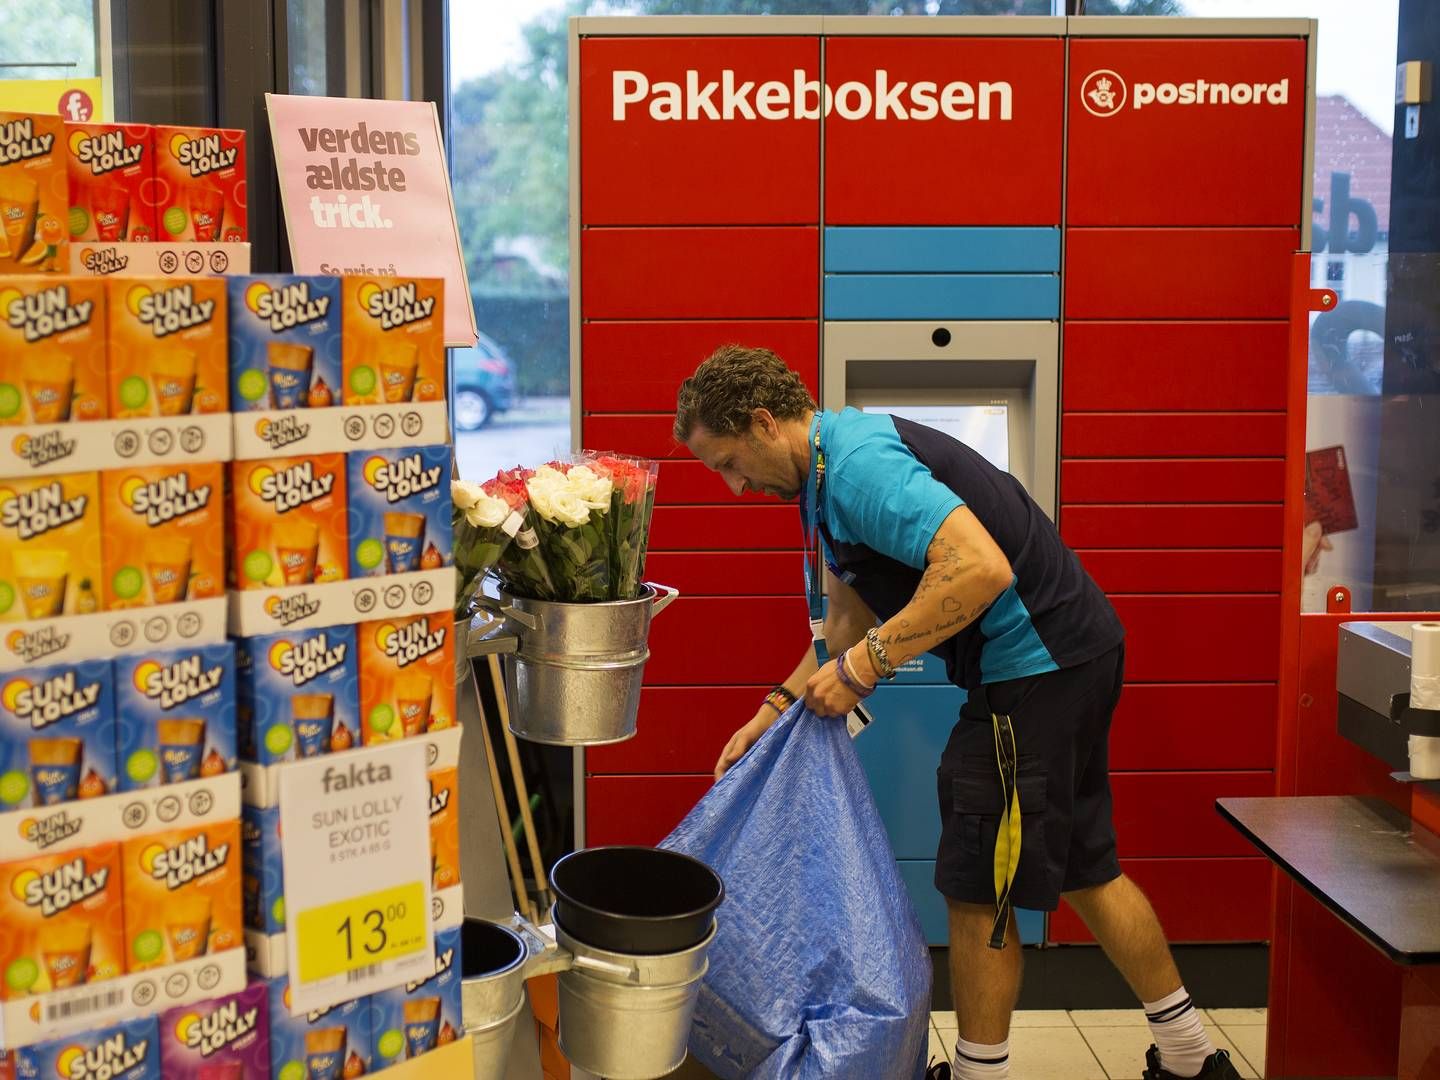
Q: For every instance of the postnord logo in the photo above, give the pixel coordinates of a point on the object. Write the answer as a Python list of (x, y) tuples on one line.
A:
[(1105, 93)]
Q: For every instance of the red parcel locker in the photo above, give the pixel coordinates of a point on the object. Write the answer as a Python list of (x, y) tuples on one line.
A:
[(679, 730), (639, 809), (1130, 273), (940, 113), (1141, 180), (696, 131), (1231, 366), (637, 366), (1156, 724), (700, 273), (1210, 899), (1157, 127)]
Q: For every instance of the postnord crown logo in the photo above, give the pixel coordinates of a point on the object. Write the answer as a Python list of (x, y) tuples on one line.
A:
[(1103, 93)]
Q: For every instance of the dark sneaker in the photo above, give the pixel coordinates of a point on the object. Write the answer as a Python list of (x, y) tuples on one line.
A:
[(938, 1070), (1217, 1067)]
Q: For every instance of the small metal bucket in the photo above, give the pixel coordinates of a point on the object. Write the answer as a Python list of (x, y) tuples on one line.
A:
[(628, 1017), (622, 1016), (492, 992), (572, 671)]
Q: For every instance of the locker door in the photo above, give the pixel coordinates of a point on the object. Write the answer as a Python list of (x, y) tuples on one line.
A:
[(648, 158)]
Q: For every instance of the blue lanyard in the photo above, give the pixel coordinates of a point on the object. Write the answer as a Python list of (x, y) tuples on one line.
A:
[(814, 512), (810, 513)]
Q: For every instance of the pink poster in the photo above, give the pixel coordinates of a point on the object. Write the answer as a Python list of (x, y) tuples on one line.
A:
[(365, 190)]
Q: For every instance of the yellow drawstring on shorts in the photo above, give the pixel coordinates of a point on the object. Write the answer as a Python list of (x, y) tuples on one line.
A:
[(1007, 840)]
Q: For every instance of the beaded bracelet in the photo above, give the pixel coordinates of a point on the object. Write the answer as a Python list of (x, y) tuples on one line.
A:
[(780, 699), (850, 682)]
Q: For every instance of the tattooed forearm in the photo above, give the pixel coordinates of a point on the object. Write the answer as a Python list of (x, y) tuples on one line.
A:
[(953, 593), (939, 632)]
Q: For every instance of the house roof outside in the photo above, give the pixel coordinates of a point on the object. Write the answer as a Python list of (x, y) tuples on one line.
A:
[(1348, 141)]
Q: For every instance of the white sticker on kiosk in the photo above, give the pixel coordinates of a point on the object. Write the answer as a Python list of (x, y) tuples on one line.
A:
[(354, 840)]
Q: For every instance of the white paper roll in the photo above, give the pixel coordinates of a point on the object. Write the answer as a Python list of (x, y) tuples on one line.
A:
[(1425, 694), (1425, 666), (1424, 758)]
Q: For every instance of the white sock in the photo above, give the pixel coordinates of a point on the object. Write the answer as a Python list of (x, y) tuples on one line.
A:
[(1179, 1034), (981, 1061)]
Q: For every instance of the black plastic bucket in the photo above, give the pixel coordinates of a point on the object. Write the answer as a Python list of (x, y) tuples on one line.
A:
[(636, 900), (486, 948)]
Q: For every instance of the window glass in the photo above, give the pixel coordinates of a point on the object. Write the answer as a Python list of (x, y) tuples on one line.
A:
[(1372, 519), (510, 172), (327, 44), (306, 44), (48, 39)]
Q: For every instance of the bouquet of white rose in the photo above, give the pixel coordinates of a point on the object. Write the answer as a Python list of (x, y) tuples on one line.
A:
[(571, 510), (486, 519)]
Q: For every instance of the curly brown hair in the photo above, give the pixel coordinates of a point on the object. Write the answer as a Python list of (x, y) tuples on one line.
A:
[(731, 384)]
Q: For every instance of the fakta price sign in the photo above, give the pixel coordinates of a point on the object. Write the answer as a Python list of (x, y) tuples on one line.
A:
[(354, 832), (366, 191)]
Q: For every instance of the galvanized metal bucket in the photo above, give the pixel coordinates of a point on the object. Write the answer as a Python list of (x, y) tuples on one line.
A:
[(492, 992), (628, 1017), (622, 1016), (572, 671)]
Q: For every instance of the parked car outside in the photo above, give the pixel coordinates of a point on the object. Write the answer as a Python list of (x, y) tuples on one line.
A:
[(482, 383)]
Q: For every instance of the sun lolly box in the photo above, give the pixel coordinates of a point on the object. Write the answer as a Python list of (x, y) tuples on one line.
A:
[(289, 521), (168, 347), (52, 350), (399, 510), (394, 340), (34, 194), (410, 1020), (264, 875), (200, 180), (327, 1044), (298, 694), (111, 170), (175, 714), (444, 827), (182, 894), (226, 1038), (128, 1051), (49, 546), (284, 342), (60, 921), (407, 676), (57, 734), (164, 534)]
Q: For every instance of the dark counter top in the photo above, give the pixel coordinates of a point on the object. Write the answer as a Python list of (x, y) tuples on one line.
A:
[(1361, 858)]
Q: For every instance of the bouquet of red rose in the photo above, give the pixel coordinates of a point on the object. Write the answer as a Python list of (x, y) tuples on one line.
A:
[(632, 499), (522, 567), (486, 518)]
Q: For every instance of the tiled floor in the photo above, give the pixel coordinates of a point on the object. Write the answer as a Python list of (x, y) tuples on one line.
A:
[(1104, 1044)]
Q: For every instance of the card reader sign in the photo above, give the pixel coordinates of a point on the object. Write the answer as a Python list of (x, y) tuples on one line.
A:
[(1329, 498)]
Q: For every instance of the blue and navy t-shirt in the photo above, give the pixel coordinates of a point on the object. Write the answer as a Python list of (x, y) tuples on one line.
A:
[(890, 483)]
